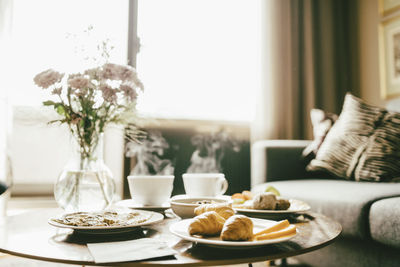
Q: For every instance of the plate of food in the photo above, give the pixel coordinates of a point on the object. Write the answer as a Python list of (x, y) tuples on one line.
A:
[(105, 222), (216, 225), (267, 204)]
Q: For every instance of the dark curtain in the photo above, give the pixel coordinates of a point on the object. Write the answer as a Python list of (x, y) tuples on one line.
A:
[(310, 60)]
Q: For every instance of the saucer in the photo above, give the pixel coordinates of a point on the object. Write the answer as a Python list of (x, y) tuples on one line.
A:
[(132, 204)]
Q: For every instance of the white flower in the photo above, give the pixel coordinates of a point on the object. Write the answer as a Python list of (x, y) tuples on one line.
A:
[(109, 94), (47, 78)]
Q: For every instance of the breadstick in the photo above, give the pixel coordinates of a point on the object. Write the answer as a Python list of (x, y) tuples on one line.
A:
[(285, 232), (276, 227)]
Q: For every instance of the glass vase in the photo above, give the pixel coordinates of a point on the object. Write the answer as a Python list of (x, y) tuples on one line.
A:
[(86, 183)]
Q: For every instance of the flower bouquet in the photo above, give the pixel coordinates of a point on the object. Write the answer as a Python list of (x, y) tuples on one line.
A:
[(88, 102)]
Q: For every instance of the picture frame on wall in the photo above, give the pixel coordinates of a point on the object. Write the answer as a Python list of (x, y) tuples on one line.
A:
[(389, 46), (387, 7)]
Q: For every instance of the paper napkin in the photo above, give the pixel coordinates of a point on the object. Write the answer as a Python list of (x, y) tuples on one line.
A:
[(132, 250)]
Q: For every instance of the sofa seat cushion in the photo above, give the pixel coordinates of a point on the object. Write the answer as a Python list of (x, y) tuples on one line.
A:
[(384, 219), (347, 202)]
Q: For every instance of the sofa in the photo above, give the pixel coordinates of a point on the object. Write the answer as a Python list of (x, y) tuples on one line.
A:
[(369, 212)]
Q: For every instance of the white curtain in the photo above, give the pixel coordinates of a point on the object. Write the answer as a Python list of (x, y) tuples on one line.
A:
[(5, 119), (279, 96), (6, 7)]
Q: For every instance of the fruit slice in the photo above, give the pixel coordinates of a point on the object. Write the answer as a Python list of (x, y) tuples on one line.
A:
[(272, 190), (276, 227), (288, 231)]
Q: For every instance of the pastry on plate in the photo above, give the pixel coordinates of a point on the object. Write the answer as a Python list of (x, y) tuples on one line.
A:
[(237, 228), (222, 209), (264, 201), (208, 224), (282, 204)]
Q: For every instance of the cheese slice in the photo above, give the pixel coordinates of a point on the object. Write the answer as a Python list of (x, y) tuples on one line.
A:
[(276, 227), (290, 230)]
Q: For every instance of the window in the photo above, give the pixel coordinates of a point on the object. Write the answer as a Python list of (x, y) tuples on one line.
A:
[(199, 59), (50, 34)]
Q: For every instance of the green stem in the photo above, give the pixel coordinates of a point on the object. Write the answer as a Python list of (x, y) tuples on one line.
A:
[(102, 188)]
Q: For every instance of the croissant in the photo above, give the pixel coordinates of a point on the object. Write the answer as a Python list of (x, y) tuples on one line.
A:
[(208, 223), (237, 227), (222, 209)]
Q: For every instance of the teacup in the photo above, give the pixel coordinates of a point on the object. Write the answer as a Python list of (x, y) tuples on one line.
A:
[(204, 184), (151, 190)]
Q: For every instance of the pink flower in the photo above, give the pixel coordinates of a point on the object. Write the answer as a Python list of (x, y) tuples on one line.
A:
[(119, 72), (79, 82), (57, 91), (127, 73), (129, 92), (139, 84), (109, 94), (110, 71), (47, 78), (93, 73)]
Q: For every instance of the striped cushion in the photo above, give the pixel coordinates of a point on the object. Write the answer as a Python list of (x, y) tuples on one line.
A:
[(322, 122), (363, 144)]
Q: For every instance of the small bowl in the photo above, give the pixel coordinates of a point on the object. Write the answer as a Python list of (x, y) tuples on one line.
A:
[(184, 207)]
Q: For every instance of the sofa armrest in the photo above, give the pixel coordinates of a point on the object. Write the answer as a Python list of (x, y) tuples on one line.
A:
[(274, 160)]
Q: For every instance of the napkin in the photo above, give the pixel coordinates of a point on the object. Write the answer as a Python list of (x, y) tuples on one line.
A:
[(132, 250)]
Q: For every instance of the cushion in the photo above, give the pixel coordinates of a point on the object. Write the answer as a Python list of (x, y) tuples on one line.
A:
[(322, 122), (363, 144), (347, 202), (384, 220)]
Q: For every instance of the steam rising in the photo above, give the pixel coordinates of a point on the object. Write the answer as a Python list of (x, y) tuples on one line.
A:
[(149, 156), (210, 150)]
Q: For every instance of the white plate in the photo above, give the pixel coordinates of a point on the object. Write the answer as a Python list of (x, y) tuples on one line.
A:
[(132, 204), (181, 229), (296, 207), (225, 197), (154, 217)]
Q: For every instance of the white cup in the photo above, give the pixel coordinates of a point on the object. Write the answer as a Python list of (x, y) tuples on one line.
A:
[(151, 190), (204, 184)]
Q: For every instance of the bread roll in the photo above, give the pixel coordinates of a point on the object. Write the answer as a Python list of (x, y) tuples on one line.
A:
[(236, 228), (221, 208), (282, 204), (208, 223), (264, 201)]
